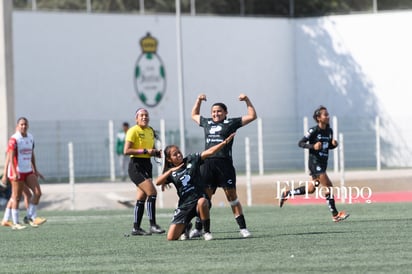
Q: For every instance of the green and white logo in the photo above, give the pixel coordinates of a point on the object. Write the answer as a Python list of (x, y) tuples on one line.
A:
[(150, 74)]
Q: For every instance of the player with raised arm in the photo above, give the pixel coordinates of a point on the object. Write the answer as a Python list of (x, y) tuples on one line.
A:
[(184, 173), (218, 170)]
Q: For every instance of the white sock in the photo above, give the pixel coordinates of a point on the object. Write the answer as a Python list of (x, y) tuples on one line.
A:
[(15, 215), (7, 213), (32, 211)]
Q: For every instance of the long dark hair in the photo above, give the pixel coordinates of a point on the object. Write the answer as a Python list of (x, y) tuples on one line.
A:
[(317, 111), (167, 164)]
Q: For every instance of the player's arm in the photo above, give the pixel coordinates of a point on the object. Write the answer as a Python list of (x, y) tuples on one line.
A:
[(303, 143), (196, 108), (333, 144), (251, 112), (212, 150), (6, 163), (33, 164), (162, 179), (12, 165)]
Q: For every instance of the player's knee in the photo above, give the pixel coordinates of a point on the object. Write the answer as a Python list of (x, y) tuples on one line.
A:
[(234, 202), (311, 187), (203, 203)]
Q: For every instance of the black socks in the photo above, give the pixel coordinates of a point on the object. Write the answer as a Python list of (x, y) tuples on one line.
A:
[(138, 213)]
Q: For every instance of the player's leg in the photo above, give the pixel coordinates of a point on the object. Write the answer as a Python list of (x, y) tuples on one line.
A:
[(175, 231), (209, 181), (204, 214), (180, 225), (304, 188), (232, 198), (7, 210), (16, 193), (327, 187), (34, 186)]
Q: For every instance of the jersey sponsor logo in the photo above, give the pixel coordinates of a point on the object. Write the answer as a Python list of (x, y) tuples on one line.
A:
[(214, 140), (150, 73), (25, 151), (215, 129)]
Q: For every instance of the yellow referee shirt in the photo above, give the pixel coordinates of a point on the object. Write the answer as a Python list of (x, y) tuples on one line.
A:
[(142, 138)]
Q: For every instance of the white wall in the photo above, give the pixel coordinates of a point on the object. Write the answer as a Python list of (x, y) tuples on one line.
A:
[(359, 66), (80, 66)]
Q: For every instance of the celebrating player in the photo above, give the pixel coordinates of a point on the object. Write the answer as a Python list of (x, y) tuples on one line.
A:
[(218, 170), (318, 139), (184, 173)]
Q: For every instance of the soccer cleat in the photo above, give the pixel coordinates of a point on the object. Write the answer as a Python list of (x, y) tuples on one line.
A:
[(208, 236), (340, 216), (195, 234), (6, 223), (34, 222), (18, 227), (140, 232), (183, 237), (245, 233), (186, 233), (156, 229), (283, 197), (37, 221)]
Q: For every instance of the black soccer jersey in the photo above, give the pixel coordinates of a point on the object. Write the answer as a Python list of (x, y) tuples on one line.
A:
[(216, 133), (316, 134), (187, 180)]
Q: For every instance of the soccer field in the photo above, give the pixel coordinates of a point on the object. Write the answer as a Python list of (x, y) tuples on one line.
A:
[(294, 239)]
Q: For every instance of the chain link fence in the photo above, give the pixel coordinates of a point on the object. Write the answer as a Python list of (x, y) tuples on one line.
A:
[(280, 153)]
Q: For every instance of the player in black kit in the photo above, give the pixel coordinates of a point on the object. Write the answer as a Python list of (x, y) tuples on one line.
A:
[(318, 139), (218, 171), (184, 173)]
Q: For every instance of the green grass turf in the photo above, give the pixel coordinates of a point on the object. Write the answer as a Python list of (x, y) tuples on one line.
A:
[(295, 239)]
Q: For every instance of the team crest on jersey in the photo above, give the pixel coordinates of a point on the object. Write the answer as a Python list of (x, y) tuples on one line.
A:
[(149, 73)]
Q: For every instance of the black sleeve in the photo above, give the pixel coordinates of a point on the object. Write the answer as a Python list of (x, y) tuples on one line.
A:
[(331, 146), (303, 143), (331, 139)]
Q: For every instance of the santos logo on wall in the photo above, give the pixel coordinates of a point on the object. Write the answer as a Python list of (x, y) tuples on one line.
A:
[(150, 74)]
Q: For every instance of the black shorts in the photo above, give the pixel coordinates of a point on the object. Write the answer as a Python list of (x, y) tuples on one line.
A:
[(216, 172), (140, 169), (185, 213), (316, 168)]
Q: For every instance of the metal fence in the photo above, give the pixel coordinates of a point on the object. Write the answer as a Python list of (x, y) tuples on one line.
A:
[(275, 151)]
